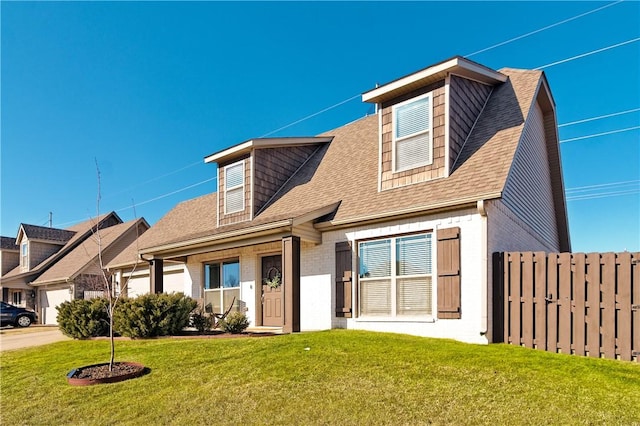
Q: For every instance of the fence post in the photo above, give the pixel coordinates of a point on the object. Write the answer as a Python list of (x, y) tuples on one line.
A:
[(593, 307), (564, 302), (579, 304), (552, 305), (608, 313), (623, 305), (498, 298)]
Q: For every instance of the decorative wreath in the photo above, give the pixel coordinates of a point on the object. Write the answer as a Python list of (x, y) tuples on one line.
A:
[(273, 278)]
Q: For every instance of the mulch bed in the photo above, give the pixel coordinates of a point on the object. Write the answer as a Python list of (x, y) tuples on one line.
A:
[(102, 371)]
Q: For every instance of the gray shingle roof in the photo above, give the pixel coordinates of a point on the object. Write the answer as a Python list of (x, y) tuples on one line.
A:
[(8, 243), (48, 234)]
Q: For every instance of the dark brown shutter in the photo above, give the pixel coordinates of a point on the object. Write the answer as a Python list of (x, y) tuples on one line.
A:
[(343, 280), (449, 273)]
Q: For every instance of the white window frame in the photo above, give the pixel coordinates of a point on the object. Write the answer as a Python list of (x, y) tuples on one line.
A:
[(17, 298), (234, 188), (393, 316), (24, 254), (395, 139), (222, 289)]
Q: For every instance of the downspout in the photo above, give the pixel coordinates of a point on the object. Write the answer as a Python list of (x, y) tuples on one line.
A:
[(484, 259)]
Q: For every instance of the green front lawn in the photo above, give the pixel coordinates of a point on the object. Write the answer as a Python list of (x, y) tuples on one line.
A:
[(332, 377)]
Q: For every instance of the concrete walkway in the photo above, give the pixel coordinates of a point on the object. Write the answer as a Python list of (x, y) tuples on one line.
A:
[(19, 338)]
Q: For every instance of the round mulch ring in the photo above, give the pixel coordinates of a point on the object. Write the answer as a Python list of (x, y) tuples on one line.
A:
[(99, 373)]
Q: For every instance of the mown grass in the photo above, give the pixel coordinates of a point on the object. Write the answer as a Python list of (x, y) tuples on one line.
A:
[(345, 377)]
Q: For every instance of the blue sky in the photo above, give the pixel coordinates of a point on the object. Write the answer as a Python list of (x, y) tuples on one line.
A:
[(149, 89)]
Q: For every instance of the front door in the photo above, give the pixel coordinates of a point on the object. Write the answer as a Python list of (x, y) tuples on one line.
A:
[(272, 291)]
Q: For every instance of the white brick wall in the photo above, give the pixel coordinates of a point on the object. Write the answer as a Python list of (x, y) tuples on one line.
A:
[(318, 270), (508, 233)]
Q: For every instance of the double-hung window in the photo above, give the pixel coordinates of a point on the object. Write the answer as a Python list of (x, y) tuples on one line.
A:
[(412, 136), (221, 285), (234, 188), (395, 276)]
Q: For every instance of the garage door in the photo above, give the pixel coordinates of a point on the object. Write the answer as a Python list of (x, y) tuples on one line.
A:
[(138, 285), (50, 299), (173, 282)]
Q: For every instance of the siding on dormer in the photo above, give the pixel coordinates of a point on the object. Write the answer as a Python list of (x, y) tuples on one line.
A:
[(527, 192), (241, 216), (389, 179), (466, 100), (273, 167)]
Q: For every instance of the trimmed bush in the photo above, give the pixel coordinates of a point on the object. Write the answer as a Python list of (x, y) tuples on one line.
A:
[(153, 315), (234, 323), (82, 319), (200, 320)]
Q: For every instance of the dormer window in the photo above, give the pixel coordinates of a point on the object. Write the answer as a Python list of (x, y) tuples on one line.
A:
[(412, 136), (234, 188)]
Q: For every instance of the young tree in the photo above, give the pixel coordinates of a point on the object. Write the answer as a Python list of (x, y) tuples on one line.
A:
[(106, 278)]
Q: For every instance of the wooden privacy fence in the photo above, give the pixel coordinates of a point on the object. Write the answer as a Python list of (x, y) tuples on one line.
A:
[(574, 303)]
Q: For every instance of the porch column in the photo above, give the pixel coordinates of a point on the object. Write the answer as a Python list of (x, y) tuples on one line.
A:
[(291, 281), (156, 275)]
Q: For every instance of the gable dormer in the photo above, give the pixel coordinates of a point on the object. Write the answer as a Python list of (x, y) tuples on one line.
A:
[(250, 174), (426, 117), (37, 243)]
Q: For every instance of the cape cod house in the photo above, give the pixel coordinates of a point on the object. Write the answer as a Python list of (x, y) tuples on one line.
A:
[(387, 223)]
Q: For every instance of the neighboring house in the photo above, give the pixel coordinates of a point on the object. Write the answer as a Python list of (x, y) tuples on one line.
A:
[(56, 265), (133, 274), (9, 259), (387, 223)]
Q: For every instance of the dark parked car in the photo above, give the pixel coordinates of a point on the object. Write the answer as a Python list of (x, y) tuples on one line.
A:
[(14, 315)]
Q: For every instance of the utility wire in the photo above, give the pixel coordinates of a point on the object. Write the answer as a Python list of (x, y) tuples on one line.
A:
[(358, 95), (585, 120), (471, 54), (599, 134), (603, 195), (543, 29), (602, 185), (613, 46), (312, 115), (167, 194)]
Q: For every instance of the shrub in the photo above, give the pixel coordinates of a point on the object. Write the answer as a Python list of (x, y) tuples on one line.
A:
[(200, 320), (81, 319), (234, 323), (153, 315)]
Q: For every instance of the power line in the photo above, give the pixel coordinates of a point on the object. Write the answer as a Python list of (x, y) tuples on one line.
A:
[(588, 53), (312, 115), (599, 134), (154, 179), (167, 194), (133, 206), (543, 29), (585, 120), (603, 195), (602, 185)]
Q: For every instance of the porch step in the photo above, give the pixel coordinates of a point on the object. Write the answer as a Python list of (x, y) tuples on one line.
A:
[(262, 329)]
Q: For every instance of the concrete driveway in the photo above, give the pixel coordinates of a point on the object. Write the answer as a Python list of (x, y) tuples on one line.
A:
[(19, 338)]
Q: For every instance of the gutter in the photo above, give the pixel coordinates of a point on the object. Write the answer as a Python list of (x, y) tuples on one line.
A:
[(224, 237), (410, 211), (484, 289)]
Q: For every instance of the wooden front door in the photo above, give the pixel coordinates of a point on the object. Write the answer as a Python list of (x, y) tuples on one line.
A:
[(272, 298)]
